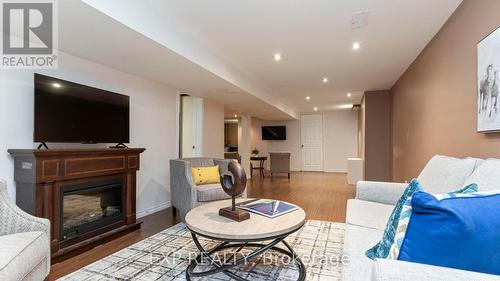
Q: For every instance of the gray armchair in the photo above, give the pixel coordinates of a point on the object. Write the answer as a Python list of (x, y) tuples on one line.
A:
[(24, 242), (185, 194), (280, 162)]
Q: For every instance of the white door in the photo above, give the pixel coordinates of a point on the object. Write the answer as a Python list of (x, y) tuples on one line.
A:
[(311, 130), (191, 126)]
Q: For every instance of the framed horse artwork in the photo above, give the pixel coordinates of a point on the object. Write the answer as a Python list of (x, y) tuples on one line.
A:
[(488, 66)]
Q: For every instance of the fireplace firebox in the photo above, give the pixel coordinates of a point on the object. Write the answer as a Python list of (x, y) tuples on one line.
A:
[(89, 206)]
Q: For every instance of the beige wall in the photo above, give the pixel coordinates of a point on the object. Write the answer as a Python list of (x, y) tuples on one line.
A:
[(213, 129), (434, 102)]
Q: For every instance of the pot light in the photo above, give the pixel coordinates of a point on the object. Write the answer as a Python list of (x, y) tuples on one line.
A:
[(315, 108), (235, 116), (349, 94), (344, 106), (277, 57), (308, 98), (56, 85), (356, 46), (325, 80)]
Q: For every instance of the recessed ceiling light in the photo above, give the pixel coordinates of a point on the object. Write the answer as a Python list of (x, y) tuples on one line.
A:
[(56, 85), (277, 57), (308, 98), (344, 106), (349, 94), (325, 80), (235, 116), (356, 46), (315, 108)]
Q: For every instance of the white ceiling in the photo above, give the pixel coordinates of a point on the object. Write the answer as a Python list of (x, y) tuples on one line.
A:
[(223, 49), (87, 33), (315, 39)]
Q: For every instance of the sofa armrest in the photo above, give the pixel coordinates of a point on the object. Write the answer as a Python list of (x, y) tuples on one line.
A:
[(14, 220), (380, 192), (223, 166), (394, 270)]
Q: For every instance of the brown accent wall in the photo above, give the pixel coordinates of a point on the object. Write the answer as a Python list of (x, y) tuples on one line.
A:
[(377, 135), (434, 102)]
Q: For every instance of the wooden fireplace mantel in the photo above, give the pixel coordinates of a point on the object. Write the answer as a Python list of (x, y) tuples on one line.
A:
[(39, 175)]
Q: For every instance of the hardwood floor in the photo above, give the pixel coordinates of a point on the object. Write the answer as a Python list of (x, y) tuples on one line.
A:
[(322, 195)]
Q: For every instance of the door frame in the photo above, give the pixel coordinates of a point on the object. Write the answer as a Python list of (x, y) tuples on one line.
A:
[(322, 142)]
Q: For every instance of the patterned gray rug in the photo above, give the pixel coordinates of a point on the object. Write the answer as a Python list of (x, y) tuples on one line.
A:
[(166, 255)]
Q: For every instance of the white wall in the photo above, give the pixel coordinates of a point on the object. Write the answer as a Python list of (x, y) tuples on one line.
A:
[(340, 135), (153, 122), (341, 139), (213, 129), (291, 144), (256, 139)]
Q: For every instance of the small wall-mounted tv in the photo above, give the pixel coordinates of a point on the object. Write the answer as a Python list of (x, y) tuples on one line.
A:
[(70, 112), (274, 133)]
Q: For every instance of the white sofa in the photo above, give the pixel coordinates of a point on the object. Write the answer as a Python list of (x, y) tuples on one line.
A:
[(24, 242), (368, 213)]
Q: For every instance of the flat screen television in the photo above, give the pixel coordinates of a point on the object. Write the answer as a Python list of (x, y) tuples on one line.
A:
[(274, 132), (71, 112)]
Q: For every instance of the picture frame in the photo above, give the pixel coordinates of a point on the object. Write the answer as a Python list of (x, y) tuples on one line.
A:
[(488, 80)]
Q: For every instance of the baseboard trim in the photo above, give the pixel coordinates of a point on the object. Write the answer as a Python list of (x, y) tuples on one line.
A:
[(153, 209)]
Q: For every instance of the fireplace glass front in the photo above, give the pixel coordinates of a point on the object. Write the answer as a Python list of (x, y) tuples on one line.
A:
[(89, 206)]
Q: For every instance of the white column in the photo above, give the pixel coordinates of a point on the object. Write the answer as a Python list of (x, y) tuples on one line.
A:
[(244, 147)]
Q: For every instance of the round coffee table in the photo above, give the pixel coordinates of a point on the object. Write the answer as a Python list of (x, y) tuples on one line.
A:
[(205, 221)]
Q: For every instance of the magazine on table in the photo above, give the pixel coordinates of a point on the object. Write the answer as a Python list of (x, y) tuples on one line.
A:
[(267, 208)]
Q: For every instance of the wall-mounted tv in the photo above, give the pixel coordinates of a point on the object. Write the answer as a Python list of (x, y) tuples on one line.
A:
[(70, 112), (274, 133)]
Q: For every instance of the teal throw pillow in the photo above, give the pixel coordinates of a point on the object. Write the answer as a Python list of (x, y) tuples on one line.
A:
[(381, 249)]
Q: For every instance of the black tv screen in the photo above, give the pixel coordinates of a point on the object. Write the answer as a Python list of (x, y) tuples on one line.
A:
[(71, 112), (274, 133)]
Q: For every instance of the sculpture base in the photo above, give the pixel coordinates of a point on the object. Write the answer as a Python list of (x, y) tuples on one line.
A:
[(235, 215)]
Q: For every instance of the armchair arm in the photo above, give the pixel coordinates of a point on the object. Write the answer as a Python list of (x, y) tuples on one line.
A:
[(380, 192), (394, 270), (14, 220), (223, 166), (182, 188)]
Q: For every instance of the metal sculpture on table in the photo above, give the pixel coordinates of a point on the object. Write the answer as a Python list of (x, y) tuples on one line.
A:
[(234, 186)]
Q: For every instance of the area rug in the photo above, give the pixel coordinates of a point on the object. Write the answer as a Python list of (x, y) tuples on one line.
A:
[(165, 256)]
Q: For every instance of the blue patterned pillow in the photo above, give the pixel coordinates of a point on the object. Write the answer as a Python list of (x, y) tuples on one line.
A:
[(381, 249), (459, 231), (405, 215)]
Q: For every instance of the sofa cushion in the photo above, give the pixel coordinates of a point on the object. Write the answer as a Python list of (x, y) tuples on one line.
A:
[(486, 176), (381, 249), (211, 192), (356, 240), (444, 174), (21, 252), (368, 214)]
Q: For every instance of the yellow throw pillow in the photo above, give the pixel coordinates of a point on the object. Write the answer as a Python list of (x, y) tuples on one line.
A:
[(205, 175)]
